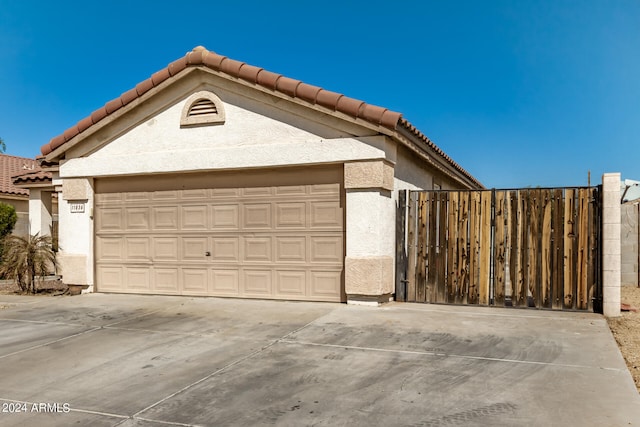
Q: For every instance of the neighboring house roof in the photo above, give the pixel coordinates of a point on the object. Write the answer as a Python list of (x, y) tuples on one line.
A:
[(314, 95), (11, 166), (36, 176)]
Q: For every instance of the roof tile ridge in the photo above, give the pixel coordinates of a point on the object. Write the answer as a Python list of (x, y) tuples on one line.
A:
[(268, 79), (249, 73), (288, 86)]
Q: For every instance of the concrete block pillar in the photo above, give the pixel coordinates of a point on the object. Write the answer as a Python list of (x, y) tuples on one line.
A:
[(40, 212), (370, 225), (611, 264)]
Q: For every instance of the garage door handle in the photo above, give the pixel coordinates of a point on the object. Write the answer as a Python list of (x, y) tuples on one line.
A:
[(207, 253)]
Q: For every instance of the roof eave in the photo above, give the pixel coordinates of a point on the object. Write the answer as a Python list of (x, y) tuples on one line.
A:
[(430, 152)]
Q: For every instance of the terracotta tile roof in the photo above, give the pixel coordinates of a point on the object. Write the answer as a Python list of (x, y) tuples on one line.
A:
[(201, 57), (11, 166), (38, 176)]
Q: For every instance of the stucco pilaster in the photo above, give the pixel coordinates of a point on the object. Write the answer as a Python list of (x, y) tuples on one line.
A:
[(76, 233), (611, 244), (370, 225), (40, 212)]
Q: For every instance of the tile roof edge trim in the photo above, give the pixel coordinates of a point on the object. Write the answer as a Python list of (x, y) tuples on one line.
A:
[(414, 132)]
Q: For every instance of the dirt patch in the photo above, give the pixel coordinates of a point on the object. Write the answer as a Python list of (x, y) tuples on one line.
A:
[(50, 287), (626, 330)]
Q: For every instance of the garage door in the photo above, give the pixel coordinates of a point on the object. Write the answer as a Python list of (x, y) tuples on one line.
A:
[(270, 234)]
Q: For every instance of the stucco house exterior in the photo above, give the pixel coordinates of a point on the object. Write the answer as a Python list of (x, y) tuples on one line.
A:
[(14, 172), (215, 177)]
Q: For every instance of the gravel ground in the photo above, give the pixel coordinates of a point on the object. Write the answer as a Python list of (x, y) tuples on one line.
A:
[(626, 330)]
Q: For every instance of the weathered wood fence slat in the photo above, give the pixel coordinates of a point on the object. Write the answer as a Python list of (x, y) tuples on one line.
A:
[(508, 248)]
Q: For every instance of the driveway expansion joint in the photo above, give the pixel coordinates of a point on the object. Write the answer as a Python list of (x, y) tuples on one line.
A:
[(445, 355)]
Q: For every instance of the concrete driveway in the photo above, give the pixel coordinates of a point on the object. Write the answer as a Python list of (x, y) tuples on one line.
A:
[(107, 360)]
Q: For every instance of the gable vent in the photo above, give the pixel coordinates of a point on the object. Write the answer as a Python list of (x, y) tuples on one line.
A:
[(203, 107)]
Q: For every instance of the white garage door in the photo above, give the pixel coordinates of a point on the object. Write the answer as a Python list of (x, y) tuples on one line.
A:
[(269, 234)]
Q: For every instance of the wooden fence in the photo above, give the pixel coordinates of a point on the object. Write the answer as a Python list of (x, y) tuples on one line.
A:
[(514, 248)]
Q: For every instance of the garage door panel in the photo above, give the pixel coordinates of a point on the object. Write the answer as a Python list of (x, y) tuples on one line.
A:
[(225, 217), (109, 248), (137, 278), (165, 280), (137, 196), (194, 217), (197, 194), (291, 190), (137, 219), (291, 249), (257, 216), (325, 283), (326, 249), (165, 249), (326, 215), (165, 218), (270, 239), (194, 280), (257, 191), (194, 248), (291, 282), (226, 249), (225, 193), (109, 219), (225, 282), (165, 195), (257, 249), (110, 278), (115, 198), (291, 215), (325, 189), (137, 248), (256, 282)]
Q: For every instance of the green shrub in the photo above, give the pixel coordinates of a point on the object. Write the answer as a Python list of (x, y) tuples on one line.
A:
[(8, 218)]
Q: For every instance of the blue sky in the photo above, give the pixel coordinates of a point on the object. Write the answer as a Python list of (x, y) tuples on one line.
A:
[(520, 93)]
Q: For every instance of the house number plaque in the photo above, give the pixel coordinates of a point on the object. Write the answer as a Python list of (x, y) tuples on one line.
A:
[(77, 207)]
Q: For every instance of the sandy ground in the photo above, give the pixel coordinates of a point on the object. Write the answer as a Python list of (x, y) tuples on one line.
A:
[(626, 330)]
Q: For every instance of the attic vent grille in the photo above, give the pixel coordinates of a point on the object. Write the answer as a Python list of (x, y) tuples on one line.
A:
[(202, 108)]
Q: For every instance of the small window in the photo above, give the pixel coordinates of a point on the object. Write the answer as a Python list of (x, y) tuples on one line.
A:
[(202, 109)]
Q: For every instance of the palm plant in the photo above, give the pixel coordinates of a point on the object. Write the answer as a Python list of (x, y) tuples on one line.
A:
[(27, 258)]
